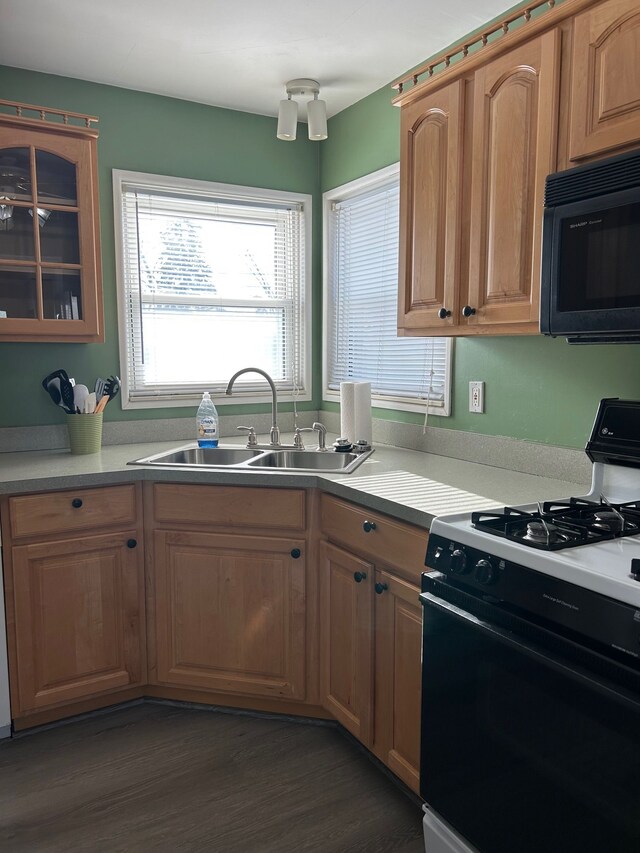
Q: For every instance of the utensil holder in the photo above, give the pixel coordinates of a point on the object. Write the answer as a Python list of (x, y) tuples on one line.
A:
[(85, 433)]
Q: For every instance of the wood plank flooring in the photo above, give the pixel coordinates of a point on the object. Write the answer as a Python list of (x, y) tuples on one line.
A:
[(161, 778)]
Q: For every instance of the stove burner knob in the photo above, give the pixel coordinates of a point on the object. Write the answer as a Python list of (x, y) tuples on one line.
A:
[(458, 562), (486, 573)]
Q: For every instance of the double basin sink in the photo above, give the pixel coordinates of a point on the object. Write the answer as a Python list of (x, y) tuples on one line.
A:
[(192, 456)]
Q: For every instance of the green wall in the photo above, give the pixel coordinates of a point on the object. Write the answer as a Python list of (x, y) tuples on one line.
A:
[(165, 136), (537, 388)]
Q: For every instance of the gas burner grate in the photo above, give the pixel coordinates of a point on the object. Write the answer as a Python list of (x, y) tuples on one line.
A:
[(562, 524)]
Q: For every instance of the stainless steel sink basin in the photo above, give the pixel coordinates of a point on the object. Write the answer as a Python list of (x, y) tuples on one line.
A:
[(308, 460), (191, 456), (208, 457)]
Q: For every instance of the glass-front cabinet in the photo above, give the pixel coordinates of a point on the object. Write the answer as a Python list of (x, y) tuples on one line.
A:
[(50, 274)]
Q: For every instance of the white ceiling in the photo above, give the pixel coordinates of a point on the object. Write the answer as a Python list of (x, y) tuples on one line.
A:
[(236, 55)]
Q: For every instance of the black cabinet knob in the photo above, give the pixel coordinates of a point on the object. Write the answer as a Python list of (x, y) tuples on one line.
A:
[(131, 543), (359, 576), (443, 313), (368, 526), (295, 553), (468, 311), (76, 503), (381, 587)]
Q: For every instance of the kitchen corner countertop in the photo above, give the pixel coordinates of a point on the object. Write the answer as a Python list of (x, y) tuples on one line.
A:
[(407, 484)]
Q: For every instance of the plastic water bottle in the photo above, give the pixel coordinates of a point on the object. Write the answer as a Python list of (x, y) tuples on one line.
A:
[(207, 422)]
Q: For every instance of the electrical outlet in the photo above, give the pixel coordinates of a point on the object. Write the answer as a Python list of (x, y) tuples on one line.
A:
[(476, 397)]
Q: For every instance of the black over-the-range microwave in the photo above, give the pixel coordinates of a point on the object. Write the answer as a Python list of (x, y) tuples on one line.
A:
[(590, 290)]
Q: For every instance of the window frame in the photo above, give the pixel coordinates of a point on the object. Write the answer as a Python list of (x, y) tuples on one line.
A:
[(121, 177), (360, 186)]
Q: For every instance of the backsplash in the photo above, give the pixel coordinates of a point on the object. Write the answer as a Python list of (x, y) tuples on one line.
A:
[(512, 454)]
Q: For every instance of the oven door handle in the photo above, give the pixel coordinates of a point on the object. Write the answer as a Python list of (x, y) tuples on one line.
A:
[(562, 662)]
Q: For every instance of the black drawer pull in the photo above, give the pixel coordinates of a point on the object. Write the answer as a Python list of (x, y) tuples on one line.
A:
[(381, 587), (368, 526), (359, 576), (131, 543), (76, 503), (295, 553)]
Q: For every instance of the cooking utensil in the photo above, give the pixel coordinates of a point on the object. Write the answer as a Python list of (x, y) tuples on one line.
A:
[(99, 388), (66, 393), (80, 394), (53, 385), (90, 403), (53, 390), (111, 388), (56, 374)]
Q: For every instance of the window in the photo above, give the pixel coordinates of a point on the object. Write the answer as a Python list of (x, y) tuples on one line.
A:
[(361, 233), (211, 278)]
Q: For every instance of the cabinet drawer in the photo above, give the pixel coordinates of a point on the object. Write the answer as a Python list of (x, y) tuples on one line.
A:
[(391, 542), (225, 506), (80, 509)]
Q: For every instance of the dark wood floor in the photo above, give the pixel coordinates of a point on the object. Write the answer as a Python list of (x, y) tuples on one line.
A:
[(161, 778)]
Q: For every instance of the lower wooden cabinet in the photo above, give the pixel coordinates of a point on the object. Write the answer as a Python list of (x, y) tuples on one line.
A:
[(75, 600), (371, 657), (346, 660), (235, 612), (230, 613), (398, 670)]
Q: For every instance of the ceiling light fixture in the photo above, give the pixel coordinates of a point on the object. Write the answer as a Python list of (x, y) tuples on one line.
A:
[(316, 111)]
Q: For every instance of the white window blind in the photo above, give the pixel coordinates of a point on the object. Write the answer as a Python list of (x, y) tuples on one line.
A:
[(361, 292), (211, 279)]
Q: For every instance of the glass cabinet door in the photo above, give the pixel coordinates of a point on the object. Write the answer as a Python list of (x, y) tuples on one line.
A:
[(50, 285)]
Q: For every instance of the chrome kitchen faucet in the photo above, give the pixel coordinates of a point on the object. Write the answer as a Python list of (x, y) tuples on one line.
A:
[(274, 436)]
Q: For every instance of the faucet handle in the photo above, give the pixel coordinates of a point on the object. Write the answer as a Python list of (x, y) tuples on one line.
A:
[(297, 437), (252, 438), (322, 435)]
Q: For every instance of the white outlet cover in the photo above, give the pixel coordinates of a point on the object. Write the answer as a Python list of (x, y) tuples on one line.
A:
[(476, 397)]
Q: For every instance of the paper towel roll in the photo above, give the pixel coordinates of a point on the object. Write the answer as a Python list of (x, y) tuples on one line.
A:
[(355, 411), (362, 412), (347, 410)]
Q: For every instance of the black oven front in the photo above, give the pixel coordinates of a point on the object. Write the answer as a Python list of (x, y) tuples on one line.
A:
[(530, 740)]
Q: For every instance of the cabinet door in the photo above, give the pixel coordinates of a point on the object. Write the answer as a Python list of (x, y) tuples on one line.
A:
[(430, 209), (230, 613), (77, 621), (605, 79), (398, 676), (50, 274), (346, 656), (514, 148)]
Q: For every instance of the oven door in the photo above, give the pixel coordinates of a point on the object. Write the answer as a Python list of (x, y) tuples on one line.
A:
[(524, 747)]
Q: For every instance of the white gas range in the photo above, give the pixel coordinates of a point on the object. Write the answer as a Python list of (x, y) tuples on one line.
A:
[(595, 555), (531, 665)]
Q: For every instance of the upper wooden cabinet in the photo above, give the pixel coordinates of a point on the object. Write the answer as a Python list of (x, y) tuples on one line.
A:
[(605, 79), (50, 273), (474, 156), (514, 149), (431, 209)]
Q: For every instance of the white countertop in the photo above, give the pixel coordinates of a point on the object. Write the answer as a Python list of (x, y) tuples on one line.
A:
[(407, 484)]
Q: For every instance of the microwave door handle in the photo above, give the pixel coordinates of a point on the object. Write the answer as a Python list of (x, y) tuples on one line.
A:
[(543, 656)]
